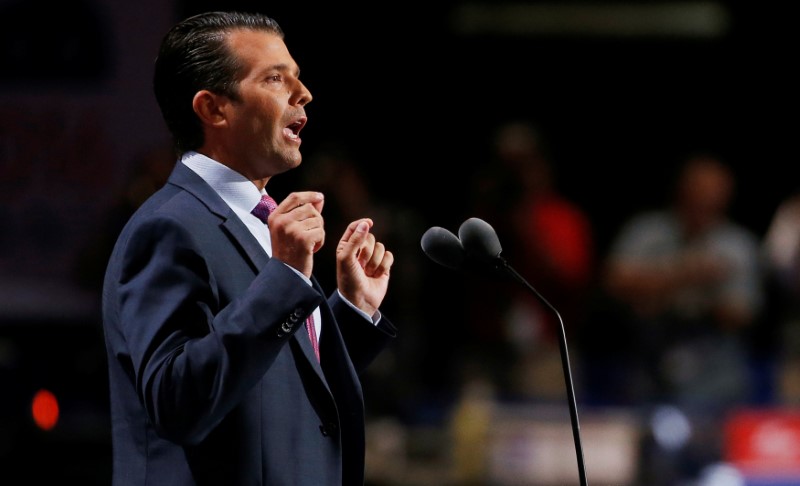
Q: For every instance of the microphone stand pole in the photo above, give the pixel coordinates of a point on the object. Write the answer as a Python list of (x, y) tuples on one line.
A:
[(573, 408)]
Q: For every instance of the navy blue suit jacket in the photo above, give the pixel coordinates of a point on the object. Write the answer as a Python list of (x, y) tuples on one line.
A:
[(211, 384)]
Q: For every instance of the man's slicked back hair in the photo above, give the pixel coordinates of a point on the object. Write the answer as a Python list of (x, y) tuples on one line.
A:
[(194, 56)]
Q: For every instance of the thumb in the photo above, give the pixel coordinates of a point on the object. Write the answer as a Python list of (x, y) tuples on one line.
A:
[(362, 228), (354, 236)]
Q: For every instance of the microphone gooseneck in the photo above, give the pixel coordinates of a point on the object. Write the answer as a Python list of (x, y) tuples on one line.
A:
[(562, 344), (477, 246)]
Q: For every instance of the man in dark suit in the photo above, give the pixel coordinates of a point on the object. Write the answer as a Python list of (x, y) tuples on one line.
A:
[(227, 364)]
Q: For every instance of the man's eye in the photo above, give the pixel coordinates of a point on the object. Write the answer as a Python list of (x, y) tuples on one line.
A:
[(275, 78)]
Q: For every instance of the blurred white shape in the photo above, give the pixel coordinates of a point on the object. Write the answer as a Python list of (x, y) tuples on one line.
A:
[(721, 474), (671, 428)]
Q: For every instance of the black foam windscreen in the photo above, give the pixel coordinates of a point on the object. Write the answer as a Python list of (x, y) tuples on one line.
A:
[(479, 239), (443, 247)]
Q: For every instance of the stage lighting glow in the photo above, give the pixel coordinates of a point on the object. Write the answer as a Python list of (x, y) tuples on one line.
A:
[(44, 408)]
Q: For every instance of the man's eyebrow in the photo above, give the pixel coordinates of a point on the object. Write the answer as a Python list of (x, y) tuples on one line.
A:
[(283, 67)]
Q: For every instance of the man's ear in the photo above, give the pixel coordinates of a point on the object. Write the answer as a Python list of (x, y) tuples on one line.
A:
[(210, 108)]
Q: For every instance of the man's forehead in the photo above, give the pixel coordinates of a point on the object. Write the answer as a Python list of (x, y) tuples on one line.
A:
[(261, 49), (242, 36)]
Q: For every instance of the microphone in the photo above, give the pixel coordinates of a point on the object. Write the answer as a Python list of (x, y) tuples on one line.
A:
[(477, 247), (480, 242), (443, 247)]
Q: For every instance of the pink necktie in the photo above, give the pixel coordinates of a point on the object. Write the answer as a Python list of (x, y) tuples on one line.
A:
[(265, 206), (312, 334), (262, 211)]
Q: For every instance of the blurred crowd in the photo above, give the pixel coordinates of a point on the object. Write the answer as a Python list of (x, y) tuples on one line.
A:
[(686, 316)]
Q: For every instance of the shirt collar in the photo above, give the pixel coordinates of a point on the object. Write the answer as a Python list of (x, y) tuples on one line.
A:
[(235, 189)]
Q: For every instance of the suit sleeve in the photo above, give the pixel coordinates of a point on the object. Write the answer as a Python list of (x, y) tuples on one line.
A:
[(364, 340), (192, 356)]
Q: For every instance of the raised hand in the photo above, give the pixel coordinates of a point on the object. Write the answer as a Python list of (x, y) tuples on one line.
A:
[(297, 230), (362, 266)]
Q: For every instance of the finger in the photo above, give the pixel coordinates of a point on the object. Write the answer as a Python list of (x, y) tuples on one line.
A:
[(302, 220), (298, 199), (353, 238), (385, 266), (305, 213), (310, 229), (366, 250), (318, 244), (374, 262)]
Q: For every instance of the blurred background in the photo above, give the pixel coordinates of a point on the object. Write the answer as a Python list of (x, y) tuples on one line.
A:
[(556, 122)]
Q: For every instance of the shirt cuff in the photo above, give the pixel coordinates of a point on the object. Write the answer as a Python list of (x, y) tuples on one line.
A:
[(374, 319)]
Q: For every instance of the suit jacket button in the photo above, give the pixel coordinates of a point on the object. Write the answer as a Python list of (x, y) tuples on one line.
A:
[(286, 327), (328, 428)]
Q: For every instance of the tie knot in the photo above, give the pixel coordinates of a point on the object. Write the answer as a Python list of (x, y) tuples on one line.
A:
[(264, 207)]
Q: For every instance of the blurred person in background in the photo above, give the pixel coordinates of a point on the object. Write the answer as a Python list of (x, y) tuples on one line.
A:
[(684, 289), (549, 240), (686, 284), (781, 252)]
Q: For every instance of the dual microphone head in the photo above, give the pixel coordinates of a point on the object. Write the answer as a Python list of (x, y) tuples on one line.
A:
[(476, 246)]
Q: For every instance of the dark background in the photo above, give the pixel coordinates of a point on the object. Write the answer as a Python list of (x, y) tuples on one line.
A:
[(416, 100), (411, 96)]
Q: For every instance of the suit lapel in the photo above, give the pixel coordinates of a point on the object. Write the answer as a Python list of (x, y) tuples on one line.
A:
[(188, 180), (251, 248)]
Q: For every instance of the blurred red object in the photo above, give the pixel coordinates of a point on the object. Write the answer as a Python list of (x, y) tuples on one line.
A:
[(764, 443), (44, 408)]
